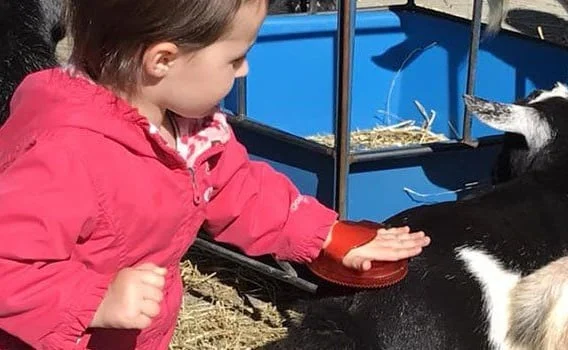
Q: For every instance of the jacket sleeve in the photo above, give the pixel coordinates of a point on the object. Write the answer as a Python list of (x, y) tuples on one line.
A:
[(47, 204), (261, 211)]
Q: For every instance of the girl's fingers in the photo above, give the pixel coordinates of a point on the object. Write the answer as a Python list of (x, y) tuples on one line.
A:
[(366, 266), (153, 293), (150, 308), (394, 230), (401, 236), (397, 254), (153, 279)]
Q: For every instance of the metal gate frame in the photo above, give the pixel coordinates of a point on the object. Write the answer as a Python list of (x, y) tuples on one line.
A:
[(347, 11)]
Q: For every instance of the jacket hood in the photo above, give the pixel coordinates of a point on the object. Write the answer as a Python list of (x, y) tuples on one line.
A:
[(54, 98)]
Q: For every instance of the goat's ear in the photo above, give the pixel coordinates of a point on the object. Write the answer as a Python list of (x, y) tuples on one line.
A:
[(524, 120), (502, 116)]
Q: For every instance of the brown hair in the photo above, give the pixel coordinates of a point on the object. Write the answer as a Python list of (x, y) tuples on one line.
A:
[(110, 36)]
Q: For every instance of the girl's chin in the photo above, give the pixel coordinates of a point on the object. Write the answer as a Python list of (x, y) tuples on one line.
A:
[(205, 114)]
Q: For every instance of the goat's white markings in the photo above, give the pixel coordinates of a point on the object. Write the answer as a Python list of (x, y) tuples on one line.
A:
[(496, 284)]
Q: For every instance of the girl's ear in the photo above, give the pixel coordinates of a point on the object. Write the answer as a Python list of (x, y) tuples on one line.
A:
[(158, 59)]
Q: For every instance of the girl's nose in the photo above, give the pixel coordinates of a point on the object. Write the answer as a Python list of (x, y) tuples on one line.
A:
[(243, 69)]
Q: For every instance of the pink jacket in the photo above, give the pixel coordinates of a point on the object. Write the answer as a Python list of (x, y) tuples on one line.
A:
[(87, 188)]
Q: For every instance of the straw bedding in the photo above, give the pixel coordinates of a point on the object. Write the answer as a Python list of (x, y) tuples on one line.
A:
[(226, 306), (402, 134)]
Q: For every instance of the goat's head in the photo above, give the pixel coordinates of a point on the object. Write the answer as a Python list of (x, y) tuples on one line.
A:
[(536, 130)]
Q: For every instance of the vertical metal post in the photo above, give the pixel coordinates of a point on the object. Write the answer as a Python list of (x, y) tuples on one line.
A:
[(346, 30), (241, 97), (475, 36)]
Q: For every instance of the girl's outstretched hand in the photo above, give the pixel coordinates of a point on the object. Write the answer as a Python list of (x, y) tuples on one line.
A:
[(389, 245)]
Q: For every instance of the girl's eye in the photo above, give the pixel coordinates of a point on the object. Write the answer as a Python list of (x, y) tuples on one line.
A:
[(238, 60)]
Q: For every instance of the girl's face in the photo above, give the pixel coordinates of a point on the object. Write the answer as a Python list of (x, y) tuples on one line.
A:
[(196, 82)]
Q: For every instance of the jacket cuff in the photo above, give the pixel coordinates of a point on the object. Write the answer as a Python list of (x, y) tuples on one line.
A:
[(76, 319), (308, 229)]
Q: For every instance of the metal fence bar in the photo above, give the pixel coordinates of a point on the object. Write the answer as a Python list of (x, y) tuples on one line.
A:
[(346, 30), (420, 150), (280, 135), (242, 97), (475, 37), (256, 265)]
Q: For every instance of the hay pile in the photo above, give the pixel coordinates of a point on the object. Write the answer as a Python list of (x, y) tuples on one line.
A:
[(226, 306), (388, 135), (399, 135)]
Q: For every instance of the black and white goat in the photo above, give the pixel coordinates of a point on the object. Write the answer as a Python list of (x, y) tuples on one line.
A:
[(496, 273), (29, 32)]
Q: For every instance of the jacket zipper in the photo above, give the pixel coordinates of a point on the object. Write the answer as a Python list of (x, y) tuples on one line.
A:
[(196, 196)]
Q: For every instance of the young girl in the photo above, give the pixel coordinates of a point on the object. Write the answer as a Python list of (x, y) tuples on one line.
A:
[(109, 167)]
